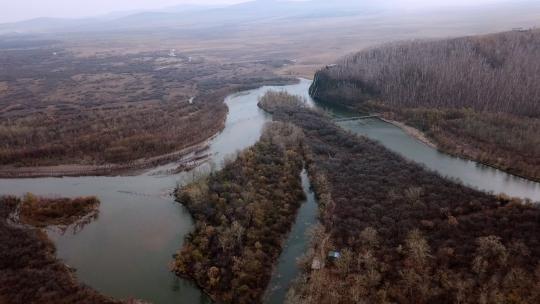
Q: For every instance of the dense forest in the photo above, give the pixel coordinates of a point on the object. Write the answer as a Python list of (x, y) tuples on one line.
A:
[(30, 273), (242, 215), (405, 234), (505, 141), (477, 97)]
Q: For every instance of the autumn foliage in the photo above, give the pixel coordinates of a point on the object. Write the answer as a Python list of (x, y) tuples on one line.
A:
[(43, 211), (242, 215), (57, 108), (30, 273), (408, 235), (476, 97)]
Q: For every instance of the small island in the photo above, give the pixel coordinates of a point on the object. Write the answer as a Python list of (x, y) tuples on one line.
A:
[(243, 214), (30, 272), (42, 211)]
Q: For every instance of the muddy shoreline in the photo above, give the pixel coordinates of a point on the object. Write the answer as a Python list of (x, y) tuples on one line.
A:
[(128, 169), (137, 166), (417, 134), (423, 138)]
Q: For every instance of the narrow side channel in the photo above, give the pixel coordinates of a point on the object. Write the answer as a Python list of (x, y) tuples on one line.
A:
[(295, 246)]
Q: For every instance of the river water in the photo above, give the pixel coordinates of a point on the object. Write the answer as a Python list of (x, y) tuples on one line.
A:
[(294, 247), (126, 251)]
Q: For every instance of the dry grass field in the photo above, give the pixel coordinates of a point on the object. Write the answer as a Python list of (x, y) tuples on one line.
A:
[(58, 108)]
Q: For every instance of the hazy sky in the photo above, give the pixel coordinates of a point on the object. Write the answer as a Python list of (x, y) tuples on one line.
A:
[(15, 10)]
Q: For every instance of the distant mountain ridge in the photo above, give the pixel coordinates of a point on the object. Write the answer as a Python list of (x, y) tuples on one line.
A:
[(194, 15)]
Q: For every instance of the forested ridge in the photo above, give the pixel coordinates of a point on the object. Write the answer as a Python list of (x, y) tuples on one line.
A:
[(242, 215), (30, 273), (405, 234), (477, 97)]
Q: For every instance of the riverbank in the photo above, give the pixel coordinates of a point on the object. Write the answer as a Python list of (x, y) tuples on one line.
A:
[(416, 133), (30, 272), (430, 141), (136, 106), (422, 137), (183, 157), (242, 215), (137, 225), (407, 229), (192, 153), (466, 105), (295, 246), (502, 141)]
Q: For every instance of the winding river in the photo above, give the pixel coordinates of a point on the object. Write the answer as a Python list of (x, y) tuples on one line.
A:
[(126, 251)]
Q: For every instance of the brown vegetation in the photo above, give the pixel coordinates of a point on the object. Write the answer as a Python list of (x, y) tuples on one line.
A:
[(508, 142), (42, 211), (407, 235), (116, 96), (476, 96), (242, 215), (29, 271), (56, 108)]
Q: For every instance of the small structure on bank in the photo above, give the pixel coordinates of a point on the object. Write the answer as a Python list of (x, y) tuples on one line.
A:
[(333, 256)]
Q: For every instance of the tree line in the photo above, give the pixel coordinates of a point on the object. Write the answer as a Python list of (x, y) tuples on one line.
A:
[(242, 215), (406, 234), (58, 108), (476, 97), (30, 273), (493, 73)]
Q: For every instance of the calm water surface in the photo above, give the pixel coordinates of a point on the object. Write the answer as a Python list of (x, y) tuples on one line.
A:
[(126, 251), (295, 246)]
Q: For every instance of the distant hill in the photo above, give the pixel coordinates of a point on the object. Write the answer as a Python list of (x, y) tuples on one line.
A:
[(196, 16)]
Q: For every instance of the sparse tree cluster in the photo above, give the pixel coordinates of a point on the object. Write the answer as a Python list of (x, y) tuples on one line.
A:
[(111, 109)]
